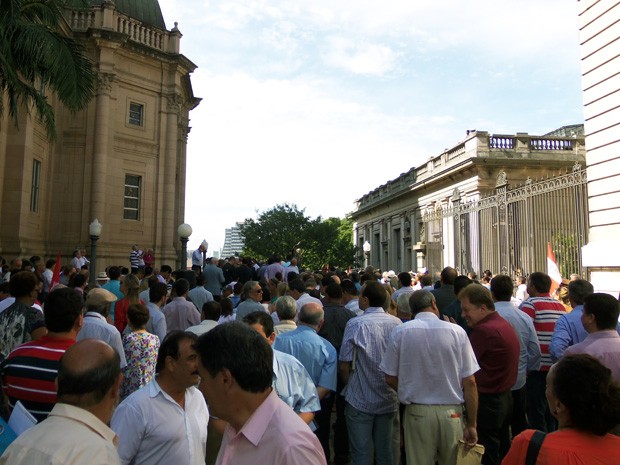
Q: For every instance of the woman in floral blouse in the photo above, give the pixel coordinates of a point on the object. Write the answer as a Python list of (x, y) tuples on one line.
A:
[(141, 349)]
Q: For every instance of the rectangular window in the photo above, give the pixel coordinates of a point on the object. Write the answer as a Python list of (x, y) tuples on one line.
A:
[(132, 197), (36, 185), (136, 113)]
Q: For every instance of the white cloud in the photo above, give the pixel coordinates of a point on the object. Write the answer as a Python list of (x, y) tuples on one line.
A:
[(360, 57)]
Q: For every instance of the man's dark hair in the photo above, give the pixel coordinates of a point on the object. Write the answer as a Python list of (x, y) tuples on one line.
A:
[(333, 291), (200, 280), (157, 291), (79, 280), (50, 263), (297, 285), (241, 350), (460, 282), (578, 290), (375, 293), (211, 310), (502, 287), (138, 315), (4, 288), (348, 287), (426, 280), (170, 347), (148, 270), (181, 286), (404, 278), (114, 272), (89, 386), (227, 307), (448, 275), (605, 309), (540, 281), (261, 318), (166, 269), (62, 309), (23, 283)]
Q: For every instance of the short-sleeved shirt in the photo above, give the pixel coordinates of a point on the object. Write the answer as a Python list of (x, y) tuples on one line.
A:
[(180, 314), (17, 323), (96, 327), (430, 357), (603, 345), (316, 354), (364, 343), (293, 384)]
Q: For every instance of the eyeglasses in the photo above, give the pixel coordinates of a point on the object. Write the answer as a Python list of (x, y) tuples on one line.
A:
[(259, 291)]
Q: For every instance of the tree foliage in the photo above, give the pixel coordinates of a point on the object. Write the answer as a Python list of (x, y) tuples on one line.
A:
[(285, 228), (35, 54)]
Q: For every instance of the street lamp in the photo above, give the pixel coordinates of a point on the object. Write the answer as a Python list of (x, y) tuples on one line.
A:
[(94, 230), (366, 248), (185, 230)]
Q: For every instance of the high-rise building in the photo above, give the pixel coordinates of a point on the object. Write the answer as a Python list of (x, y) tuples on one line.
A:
[(121, 160), (233, 241)]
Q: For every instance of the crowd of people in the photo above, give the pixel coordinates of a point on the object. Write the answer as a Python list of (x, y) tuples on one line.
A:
[(238, 362)]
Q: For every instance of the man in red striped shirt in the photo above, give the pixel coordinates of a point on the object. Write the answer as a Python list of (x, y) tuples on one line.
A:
[(545, 312), (30, 370)]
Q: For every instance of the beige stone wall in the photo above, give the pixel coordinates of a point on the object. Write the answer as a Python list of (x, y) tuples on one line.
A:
[(83, 173)]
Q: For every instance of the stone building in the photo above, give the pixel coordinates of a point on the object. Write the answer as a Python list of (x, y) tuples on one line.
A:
[(599, 29), (460, 208), (121, 160)]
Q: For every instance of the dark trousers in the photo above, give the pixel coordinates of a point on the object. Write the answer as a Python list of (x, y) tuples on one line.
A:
[(538, 415), (322, 419), (519, 415), (341, 435), (494, 415)]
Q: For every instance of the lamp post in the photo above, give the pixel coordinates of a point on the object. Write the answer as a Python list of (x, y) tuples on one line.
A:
[(185, 230), (366, 248), (94, 230)]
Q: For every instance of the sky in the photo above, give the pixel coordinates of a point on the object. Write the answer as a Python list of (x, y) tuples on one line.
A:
[(316, 103)]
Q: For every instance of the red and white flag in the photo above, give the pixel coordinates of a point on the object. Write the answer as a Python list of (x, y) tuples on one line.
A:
[(552, 269), (56, 276)]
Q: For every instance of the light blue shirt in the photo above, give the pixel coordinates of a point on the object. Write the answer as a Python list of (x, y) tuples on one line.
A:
[(293, 384), (96, 327), (114, 286), (529, 347), (199, 296), (157, 321), (248, 306), (317, 355), (364, 344)]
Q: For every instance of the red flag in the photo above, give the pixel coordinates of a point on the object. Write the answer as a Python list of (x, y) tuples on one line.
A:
[(553, 270), (56, 276)]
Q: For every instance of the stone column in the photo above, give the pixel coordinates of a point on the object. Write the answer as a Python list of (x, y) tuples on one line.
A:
[(169, 228)]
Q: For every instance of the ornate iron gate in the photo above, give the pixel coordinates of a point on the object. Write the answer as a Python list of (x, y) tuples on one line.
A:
[(507, 232)]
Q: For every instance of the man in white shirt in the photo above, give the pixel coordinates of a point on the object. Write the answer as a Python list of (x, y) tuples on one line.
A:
[(297, 290), (165, 422), (76, 430)]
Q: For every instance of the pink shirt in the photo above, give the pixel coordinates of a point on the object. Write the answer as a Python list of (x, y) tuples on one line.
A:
[(274, 435), (604, 345)]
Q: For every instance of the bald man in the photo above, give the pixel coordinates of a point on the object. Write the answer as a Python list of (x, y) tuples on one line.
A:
[(76, 430)]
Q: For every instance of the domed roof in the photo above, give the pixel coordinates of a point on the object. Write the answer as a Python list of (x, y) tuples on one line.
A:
[(147, 11)]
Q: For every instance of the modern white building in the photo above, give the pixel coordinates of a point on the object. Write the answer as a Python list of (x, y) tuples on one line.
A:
[(233, 242)]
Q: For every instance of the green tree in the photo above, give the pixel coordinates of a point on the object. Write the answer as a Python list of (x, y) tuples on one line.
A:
[(35, 54), (285, 228)]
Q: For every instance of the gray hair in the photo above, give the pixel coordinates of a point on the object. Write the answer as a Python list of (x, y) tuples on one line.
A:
[(286, 307), (402, 303), (311, 314), (248, 287), (419, 300)]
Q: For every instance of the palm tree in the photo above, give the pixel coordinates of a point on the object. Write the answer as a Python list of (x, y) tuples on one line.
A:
[(35, 54)]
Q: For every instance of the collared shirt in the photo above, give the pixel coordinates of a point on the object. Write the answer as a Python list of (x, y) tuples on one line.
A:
[(273, 435), (496, 346), (69, 436), (316, 354), (364, 343), (96, 327), (545, 311), (603, 345), (402, 290), (29, 374), (154, 430), (204, 327), (199, 296), (284, 326), (274, 269), (335, 321), (248, 306), (568, 330), (197, 258), (293, 384), (180, 314), (430, 357), (529, 354), (354, 306), (157, 321)]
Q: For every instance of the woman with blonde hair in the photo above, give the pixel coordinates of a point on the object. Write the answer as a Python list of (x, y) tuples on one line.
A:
[(130, 287)]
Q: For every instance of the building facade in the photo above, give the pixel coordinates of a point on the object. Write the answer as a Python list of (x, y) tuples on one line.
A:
[(599, 29), (121, 160), (460, 208), (233, 242)]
